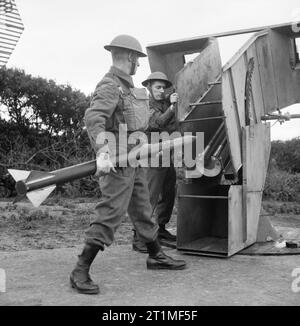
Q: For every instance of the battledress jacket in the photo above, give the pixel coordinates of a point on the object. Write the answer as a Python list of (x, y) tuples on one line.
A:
[(112, 105), (161, 118)]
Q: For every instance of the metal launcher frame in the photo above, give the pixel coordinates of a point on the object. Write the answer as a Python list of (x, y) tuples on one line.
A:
[(219, 213)]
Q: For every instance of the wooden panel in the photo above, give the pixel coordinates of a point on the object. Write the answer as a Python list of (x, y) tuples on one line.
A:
[(254, 200), (235, 220), (174, 62), (267, 76), (170, 59), (208, 246), (200, 218), (287, 80), (243, 49), (157, 61), (256, 150), (194, 220), (257, 101), (192, 81), (188, 45), (239, 71), (232, 123)]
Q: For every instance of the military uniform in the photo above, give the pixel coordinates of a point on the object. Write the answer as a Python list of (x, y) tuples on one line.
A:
[(162, 180), (115, 104), (126, 189)]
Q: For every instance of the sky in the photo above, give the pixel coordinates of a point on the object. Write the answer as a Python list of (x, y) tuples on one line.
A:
[(63, 39)]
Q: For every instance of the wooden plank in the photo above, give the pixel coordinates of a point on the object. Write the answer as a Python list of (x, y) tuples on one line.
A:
[(205, 103), (267, 75), (239, 71), (257, 144), (203, 119), (192, 80), (253, 206), (207, 245), (243, 49), (235, 220), (232, 123), (257, 102), (232, 89), (165, 46), (206, 111)]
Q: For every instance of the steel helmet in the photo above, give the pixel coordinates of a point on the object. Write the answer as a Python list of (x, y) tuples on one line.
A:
[(157, 76), (126, 42)]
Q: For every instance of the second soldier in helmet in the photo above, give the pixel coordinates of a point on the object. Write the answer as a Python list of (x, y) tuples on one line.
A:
[(161, 180)]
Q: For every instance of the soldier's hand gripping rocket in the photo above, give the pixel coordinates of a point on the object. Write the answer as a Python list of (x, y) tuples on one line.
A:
[(174, 98), (104, 164)]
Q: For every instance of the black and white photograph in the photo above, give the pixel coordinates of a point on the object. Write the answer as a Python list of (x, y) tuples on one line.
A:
[(149, 156)]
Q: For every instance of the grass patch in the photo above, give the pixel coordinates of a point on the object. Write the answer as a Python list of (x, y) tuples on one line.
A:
[(276, 207)]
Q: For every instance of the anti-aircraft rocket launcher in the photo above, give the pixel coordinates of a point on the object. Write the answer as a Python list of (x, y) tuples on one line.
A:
[(219, 211), (38, 185)]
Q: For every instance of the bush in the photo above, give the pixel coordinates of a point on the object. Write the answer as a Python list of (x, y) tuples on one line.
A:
[(282, 186), (287, 154), (276, 207)]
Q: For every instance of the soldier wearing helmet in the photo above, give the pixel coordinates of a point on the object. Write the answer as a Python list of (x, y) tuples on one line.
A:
[(161, 180), (116, 103)]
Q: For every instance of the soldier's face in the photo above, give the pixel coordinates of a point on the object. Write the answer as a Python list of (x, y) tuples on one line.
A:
[(158, 90)]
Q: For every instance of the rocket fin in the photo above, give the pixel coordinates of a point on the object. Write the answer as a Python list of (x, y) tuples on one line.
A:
[(38, 196), (19, 175)]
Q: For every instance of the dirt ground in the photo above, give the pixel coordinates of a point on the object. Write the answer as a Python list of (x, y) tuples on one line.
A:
[(38, 248), (58, 224)]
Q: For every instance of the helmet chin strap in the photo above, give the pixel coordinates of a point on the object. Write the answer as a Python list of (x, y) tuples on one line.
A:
[(133, 61), (132, 68)]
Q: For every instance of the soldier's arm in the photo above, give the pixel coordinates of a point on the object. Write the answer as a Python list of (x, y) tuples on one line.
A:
[(160, 120), (104, 102)]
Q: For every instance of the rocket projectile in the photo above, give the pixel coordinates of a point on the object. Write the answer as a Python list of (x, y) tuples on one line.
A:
[(38, 185)]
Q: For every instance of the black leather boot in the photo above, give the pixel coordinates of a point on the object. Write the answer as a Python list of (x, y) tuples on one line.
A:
[(164, 234), (138, 245), (80, 278), (159, 260)]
